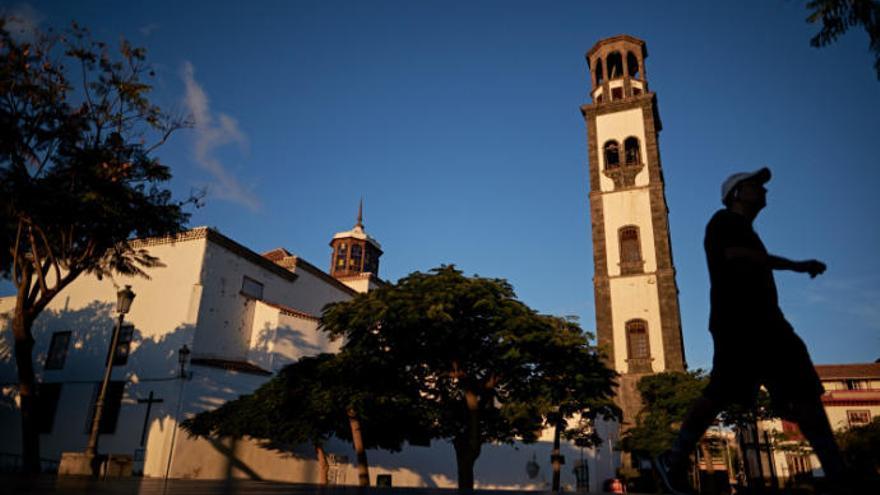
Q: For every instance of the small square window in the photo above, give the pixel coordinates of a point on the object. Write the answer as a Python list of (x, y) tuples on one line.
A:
[(858, 417), (616, 93), (251, 288), (57, 351)]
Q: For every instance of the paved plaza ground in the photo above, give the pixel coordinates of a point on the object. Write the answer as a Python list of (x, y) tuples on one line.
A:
[(141, 486)]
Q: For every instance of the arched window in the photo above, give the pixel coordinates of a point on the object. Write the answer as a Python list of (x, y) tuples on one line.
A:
[(612, 154), (630, 250), (631, 150), (355, 260), (637, 346), (615, 65), (632, 65), (341, 256), (600, 76)]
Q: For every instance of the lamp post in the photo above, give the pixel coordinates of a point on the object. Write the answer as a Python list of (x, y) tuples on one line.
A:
[(124, 297)]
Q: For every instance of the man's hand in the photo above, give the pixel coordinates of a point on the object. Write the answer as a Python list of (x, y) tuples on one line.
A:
[(813, 267)]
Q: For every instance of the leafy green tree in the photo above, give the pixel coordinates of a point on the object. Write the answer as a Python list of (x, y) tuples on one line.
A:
[(861, 449), (314, 399), (837, 16), (666, 399), (290, 409), (78, 177), (480, 358), (577, 384)]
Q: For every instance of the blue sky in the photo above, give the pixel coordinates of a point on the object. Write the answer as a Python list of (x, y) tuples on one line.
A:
[(458, 123)]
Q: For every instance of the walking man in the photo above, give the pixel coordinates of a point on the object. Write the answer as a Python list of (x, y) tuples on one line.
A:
[(754, 345)]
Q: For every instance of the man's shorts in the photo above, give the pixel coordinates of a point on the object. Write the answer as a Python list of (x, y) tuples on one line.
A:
[(768, 354)]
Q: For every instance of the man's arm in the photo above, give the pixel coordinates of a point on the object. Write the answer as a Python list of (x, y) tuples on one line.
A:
[(813, 267)]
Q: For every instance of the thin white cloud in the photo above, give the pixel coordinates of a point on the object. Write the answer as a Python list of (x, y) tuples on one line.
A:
[(852, 296), (214, 131), (22, 20), (148, 29)]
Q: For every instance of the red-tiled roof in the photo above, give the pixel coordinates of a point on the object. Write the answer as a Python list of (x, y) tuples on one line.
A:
[(277, 254), (841, 371)]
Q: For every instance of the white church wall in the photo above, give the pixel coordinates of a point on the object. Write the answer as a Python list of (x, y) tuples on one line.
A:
[(226, 315), (311, 292), (630, 207), (161, 315), (636, 297)]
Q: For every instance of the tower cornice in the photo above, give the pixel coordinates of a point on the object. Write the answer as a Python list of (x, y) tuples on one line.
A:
[(615, 40)]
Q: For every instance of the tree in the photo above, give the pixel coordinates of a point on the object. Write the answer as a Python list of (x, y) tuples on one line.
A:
[(78, 177), (837, 16), (480, 358), (577, 383), (666, 399), (317, 398), (861, 449), (288, 410)]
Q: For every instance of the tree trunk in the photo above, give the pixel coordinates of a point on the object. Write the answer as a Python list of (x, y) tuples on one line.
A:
[(27, 389), (357, 440), (556, 457), (468, 445), (323, 466)]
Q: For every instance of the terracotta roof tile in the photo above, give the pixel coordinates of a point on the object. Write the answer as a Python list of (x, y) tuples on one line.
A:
[(856, 370)]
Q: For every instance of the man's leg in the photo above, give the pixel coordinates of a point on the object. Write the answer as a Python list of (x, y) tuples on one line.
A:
[(700, 416), (672, 465), (813, 422)]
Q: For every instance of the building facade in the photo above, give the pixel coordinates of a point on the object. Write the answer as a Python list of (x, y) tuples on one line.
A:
[(779, 455)]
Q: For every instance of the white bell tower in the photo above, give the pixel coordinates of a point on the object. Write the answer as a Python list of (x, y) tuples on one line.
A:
[(637, 314)]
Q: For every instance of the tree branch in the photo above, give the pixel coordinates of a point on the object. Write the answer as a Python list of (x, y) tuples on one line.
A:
[(36, 261), (51, 257)]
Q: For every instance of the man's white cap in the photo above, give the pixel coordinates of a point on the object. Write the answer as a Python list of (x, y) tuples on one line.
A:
[(761, 175)]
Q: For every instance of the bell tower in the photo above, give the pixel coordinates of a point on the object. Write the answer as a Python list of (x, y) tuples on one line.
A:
[(637, 314), (354, 260)]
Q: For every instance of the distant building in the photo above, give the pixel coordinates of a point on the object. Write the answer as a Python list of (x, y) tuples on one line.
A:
[(636, 297), (852, 398)]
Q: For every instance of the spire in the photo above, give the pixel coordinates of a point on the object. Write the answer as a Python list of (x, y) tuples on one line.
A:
[(360, 219)]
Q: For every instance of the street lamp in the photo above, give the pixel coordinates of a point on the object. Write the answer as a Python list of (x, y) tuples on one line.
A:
[(182, 357), (124, 297)]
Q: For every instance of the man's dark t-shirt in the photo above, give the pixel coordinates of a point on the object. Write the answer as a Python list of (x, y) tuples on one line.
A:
[(743, 294)]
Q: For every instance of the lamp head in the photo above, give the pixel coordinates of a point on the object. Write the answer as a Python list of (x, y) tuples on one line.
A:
[(124, 297)]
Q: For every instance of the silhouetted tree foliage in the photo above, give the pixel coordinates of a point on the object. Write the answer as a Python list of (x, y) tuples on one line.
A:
[(78, 177), (666, 399), (837, 16), (484, 363), (576, 384), (314, 399), (861, 449)]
